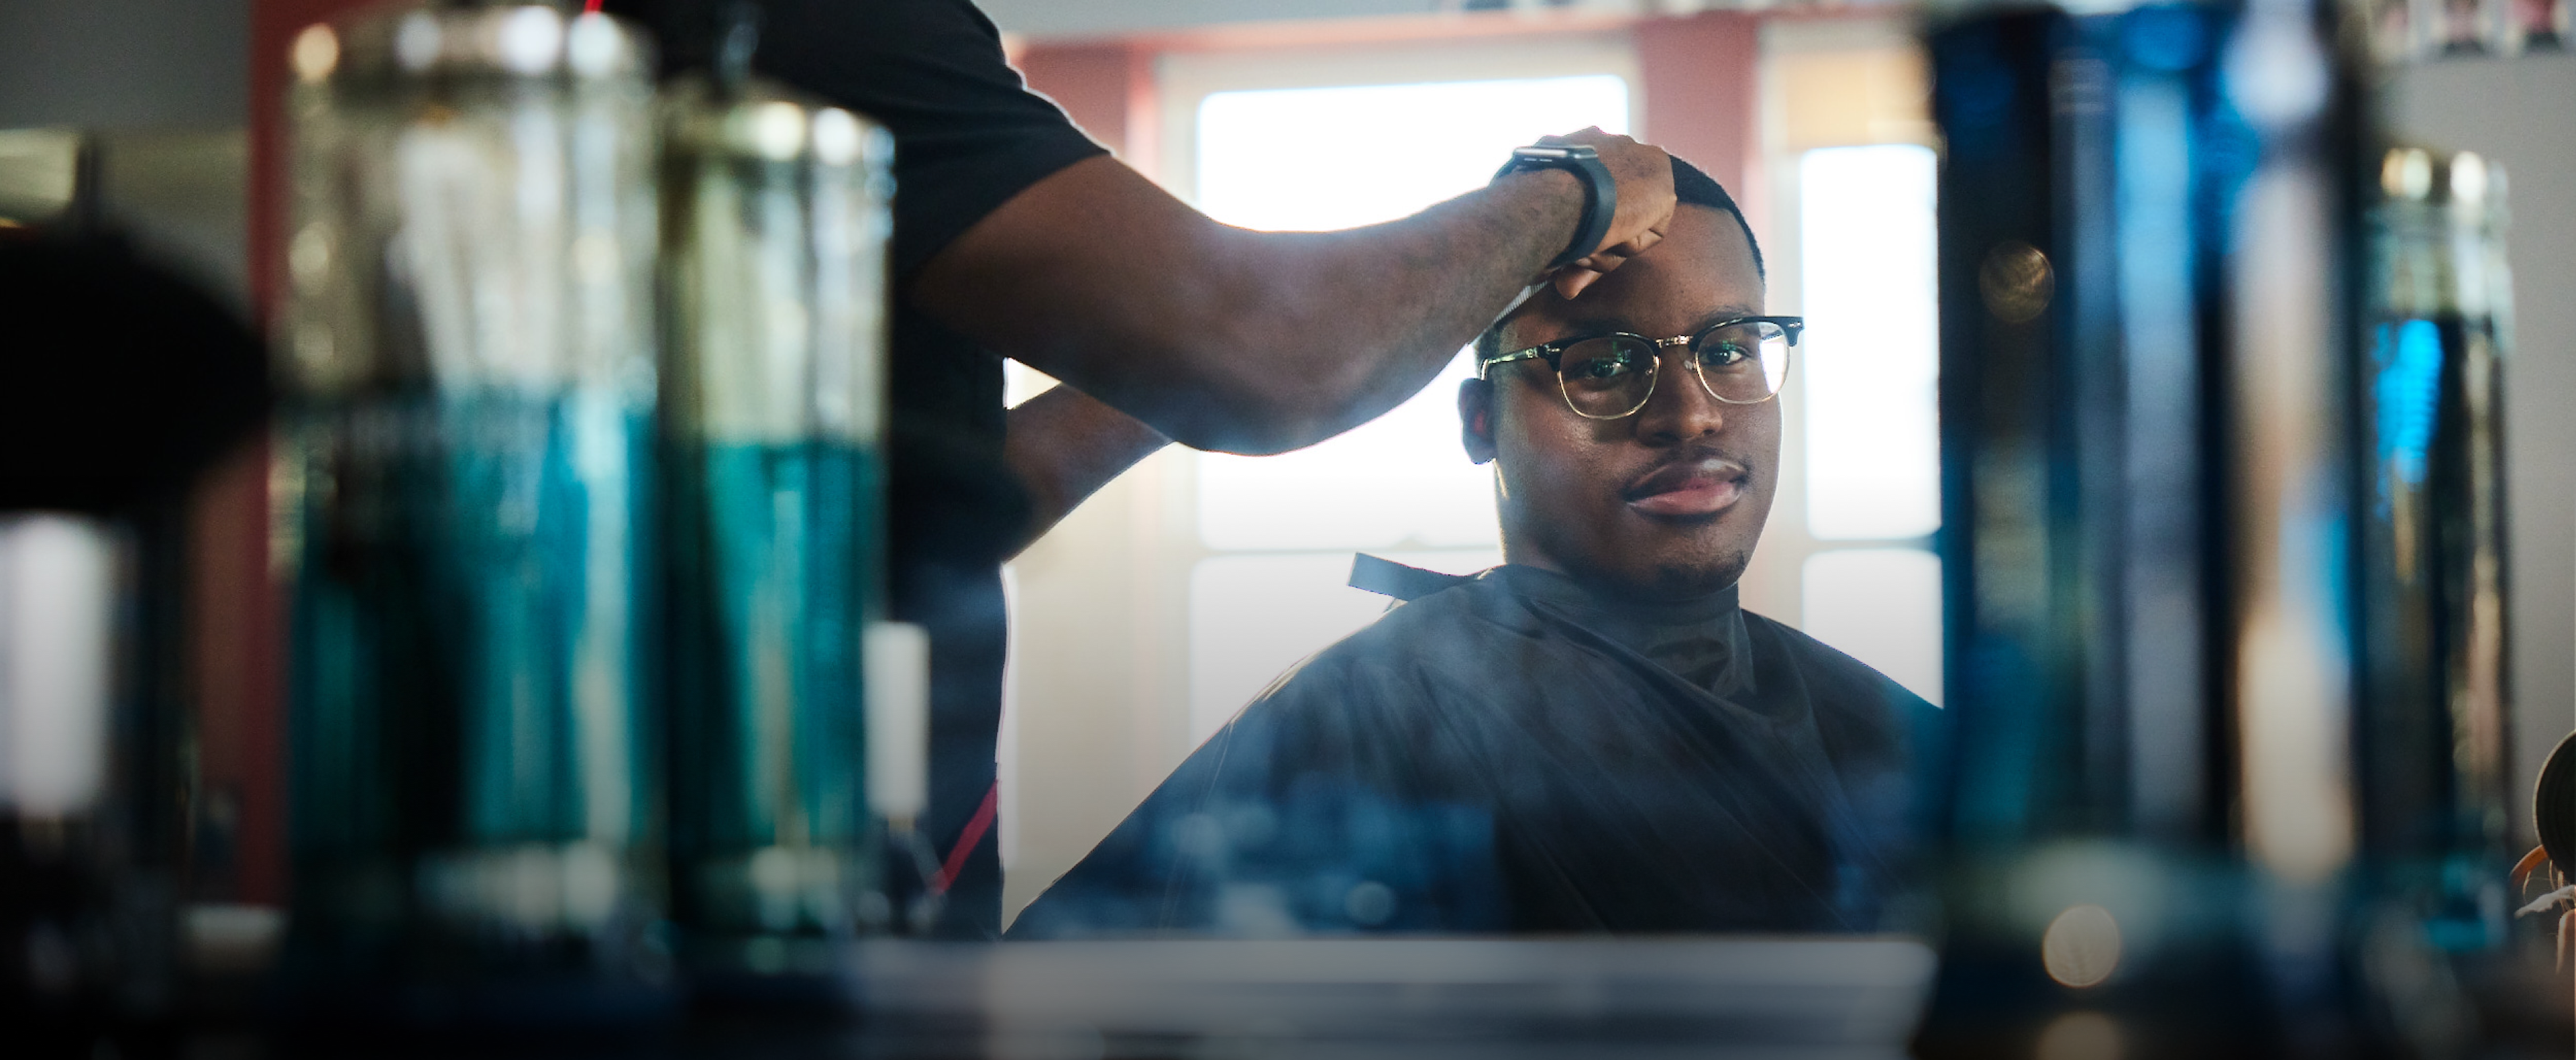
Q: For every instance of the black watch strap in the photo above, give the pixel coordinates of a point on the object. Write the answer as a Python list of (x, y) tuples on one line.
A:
[(1600, 192)]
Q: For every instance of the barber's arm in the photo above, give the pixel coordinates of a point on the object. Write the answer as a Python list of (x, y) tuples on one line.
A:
[(1064, 446), (1227, 339)]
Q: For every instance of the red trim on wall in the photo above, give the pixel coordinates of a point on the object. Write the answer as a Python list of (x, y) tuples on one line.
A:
[(240, 644), (1108, 90), (1702, 79), (1088, 80)]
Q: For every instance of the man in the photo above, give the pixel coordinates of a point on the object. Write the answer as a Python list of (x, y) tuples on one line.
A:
[(1017, 236), (1591, 737)]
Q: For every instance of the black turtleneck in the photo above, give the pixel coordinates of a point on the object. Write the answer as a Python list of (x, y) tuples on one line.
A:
[(1514, 751)]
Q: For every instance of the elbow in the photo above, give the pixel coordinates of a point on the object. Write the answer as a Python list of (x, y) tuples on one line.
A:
[(1260, 361), (1247, 424), (1271, 402)]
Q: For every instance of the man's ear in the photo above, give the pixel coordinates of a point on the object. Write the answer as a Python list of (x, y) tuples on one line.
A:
[(1476, 419)]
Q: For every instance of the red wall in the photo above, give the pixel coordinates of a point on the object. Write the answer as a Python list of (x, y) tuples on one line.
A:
[(239, 643), (1107, 88), (1701, 77)]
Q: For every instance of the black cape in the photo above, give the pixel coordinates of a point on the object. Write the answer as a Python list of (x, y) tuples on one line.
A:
[(1511, 753)]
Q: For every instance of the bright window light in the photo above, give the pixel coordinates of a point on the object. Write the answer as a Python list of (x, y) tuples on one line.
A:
[(1402, 478), (1870, 356), (1265, 162), (1327, 158), (1312, 159), (1253, 617), (1881, 606)]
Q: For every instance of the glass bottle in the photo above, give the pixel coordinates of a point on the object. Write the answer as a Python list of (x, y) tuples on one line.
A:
[(2434, 724), (2146, 806), (465, 489), (776, 221)]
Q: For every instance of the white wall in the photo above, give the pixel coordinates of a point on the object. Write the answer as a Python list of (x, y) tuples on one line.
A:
[(168, 82), (124, 63)]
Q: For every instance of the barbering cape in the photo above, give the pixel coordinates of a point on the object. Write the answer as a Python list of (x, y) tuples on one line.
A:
[(1508, 752)]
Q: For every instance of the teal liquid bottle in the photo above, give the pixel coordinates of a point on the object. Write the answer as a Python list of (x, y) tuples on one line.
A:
[(776, 221), (465, 485)]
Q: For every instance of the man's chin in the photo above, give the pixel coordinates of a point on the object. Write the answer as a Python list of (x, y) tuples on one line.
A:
[(1684, 581), (1671, 581)]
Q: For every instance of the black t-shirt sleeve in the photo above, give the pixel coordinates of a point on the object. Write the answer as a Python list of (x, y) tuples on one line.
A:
[(968, 134)]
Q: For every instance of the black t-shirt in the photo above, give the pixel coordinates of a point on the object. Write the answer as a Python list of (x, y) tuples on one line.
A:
[(968, 136)]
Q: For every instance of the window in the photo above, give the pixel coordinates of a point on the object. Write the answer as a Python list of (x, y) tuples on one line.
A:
[(1278, 532), (1865, 222), (1865, 230)]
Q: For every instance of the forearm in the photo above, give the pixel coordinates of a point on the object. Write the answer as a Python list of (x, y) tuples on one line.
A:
[(1064, 446), (1228, 339), (1359, 320)]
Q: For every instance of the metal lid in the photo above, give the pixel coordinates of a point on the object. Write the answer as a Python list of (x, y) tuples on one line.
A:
[(759, 119), (469, 41)]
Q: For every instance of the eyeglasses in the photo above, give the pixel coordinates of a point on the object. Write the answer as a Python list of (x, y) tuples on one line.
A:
[(1740, 361)]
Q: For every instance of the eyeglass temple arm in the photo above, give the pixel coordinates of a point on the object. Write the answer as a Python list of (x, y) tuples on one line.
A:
[(1531, 354)]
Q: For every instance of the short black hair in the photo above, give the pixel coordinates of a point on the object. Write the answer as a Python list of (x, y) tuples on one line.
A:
[(1691, 187)]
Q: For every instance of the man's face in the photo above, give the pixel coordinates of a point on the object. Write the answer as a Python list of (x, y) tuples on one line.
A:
[(1667, 502)]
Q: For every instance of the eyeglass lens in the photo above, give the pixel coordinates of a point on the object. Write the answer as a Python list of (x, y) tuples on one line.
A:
[(1613, 376)]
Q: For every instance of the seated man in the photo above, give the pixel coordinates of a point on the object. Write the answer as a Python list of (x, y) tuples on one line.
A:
[(1591, 737)]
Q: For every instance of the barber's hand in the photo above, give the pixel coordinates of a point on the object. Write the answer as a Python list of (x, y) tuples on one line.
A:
[(1645, 177)]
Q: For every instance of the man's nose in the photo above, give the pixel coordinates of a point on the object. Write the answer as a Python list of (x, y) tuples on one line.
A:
[(1680, 408)]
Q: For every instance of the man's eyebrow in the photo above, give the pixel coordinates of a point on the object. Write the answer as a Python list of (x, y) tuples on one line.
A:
[(1723, 313), (1600, 325), (1595, 325)]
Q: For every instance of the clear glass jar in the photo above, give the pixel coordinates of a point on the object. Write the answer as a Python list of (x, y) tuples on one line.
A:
[(776, 223), (465, 491)]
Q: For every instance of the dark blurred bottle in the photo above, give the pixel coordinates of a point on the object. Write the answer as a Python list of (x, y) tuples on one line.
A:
[(775, 228), (2148, 242), (2434, 720), (120, 382), (466, 483)]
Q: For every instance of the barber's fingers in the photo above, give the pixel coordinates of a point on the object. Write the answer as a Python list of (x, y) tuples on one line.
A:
[(1638, 244), (1644, 176), (1573, 278)]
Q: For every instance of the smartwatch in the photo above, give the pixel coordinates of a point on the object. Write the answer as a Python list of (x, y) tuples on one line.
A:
[(1600, 192)]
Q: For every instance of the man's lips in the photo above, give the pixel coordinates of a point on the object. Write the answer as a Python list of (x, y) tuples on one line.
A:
[(1691, 487)]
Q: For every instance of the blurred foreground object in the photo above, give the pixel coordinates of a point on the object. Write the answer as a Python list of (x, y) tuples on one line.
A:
[(2432, 728), (1436, 999), (465, 483), (773, 385), (119, 383), (2222, 445), (2144, 238), (118, 379)]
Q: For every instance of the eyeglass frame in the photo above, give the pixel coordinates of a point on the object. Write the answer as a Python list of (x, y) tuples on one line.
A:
[(1553, 353)]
